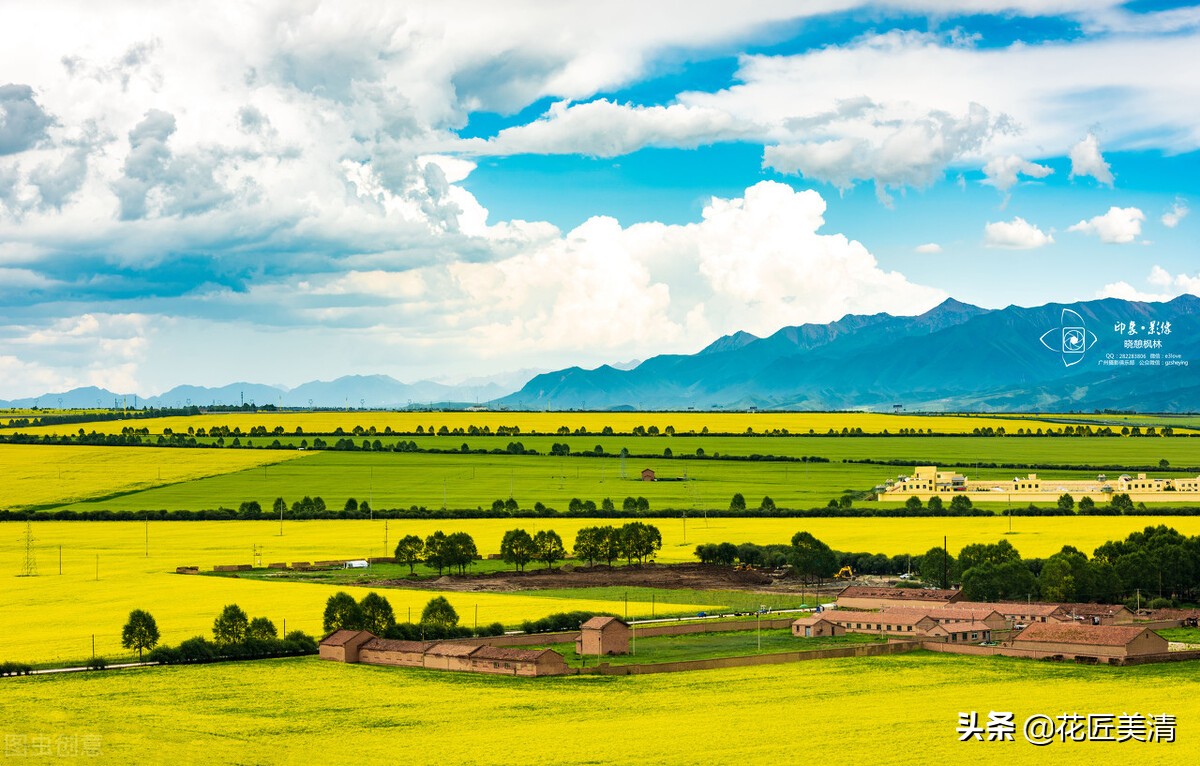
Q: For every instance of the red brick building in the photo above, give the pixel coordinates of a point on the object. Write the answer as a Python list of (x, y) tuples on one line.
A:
[(1089, 643), (603, 635)]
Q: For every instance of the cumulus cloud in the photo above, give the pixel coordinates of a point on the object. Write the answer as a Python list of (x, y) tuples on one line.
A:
[(929, 248), (603, 128), (1119, 226), (23, 122), (1086, 160), (1164, 284), (1177, 213), (1003, 172), (1017, 234)]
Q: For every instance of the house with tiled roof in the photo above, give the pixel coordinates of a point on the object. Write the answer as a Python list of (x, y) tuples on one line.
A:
[(1089, 643)]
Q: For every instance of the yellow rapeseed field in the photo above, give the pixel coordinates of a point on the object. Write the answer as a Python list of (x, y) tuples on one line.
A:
[(106, 572), (878, 711), (41, 475), (550, 422)]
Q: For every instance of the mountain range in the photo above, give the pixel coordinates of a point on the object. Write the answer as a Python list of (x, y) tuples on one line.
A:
[(953, 357)]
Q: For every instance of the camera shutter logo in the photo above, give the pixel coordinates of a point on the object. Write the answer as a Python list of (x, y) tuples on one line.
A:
[(1071, 340)]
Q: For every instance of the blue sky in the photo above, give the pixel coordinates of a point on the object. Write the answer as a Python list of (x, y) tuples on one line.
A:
[(448, 191)]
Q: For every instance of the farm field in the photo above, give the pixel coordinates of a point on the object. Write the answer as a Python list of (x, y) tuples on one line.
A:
[(454, 481), (75, 605), (307, 710), (43, 475), (550, 422), (941, 450)]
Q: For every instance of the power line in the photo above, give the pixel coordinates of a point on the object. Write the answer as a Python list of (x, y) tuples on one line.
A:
[(29, 567)]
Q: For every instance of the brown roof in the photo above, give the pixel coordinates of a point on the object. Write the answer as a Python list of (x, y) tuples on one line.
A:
[(1168, 614), (959, 627), (952, 612), (1104, 610), (340, 637), (601, 622), (446, 649), (392, 645), (905, 594), (890, 617), (813, 619), (1068, 633), (504, 653), (1010, 607)]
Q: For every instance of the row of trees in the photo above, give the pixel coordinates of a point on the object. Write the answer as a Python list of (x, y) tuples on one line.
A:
[(235, 636), (374, 613), (440, 550), (636, 541), (519, 548)]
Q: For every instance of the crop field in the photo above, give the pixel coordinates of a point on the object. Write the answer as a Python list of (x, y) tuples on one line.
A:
[(308, 711), (106, 572), (551, 422), (456, 481), (44, 475)]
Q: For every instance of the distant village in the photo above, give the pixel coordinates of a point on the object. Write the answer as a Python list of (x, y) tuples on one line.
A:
[(907, 619), (927, 481)]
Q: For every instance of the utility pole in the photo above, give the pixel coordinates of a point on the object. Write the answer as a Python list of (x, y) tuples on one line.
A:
[(29, 567)]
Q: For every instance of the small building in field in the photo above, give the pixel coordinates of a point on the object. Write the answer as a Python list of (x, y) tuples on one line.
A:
[(864, 597), (912, 623), (816, 626), (648, 474), (343, 645), (1096, 614), (961, 632), (1018, 612), (364, 647), (603, 635), (954, 614), (1089, 643)]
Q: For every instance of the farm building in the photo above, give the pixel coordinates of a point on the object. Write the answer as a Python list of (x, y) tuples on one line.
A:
[(1098, 643), (816, 626), (366, 648), (1020, 612), (603, 635), (1097, 614), (961, 632), (952, 615), (900, 622), (343, 645), (862, 597), (648, 474)]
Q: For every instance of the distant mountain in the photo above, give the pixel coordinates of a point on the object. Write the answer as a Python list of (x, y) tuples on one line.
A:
[(372, 391), (955, 356)]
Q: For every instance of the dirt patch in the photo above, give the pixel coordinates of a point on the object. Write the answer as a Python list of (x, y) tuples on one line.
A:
[(676, 576)]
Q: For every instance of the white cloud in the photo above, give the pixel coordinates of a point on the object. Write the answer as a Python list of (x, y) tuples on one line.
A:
[(602, 128), (1119, 226), (1168, 286), (1017, 234), (1177, 213), (1003, 172), (929, 248), (1086, 160)]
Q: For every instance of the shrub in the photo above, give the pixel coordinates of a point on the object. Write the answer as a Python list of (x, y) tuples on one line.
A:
[(495, 629), (97, 663)]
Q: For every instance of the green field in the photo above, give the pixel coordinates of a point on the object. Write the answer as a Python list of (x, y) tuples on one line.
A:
[(878, 711)]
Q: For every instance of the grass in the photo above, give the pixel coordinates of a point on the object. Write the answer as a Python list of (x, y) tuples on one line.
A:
[(43, 475), (879, 710), (1182, 635), (706, 646)]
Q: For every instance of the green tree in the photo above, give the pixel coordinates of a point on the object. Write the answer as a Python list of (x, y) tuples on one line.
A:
[(436, 554), (1066, 503), (1086, 504), (913, 503), (140, 632), (935, 504), (1122, 502), (409, 551), (767, 504), (609, 544), (549, 547), (342, 612), (811, 558), (377, 614), (351, 505), (937, 567), (738, 503), (517, 548), (231, 625), (997, 582), (460, 551), (279, 507), (261, 629), (587, 544), (439, 613), (1066, 576), (960, 504), (725, 554), (992, 553), (639, 541)]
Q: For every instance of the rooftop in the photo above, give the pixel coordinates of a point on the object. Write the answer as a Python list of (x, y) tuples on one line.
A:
[(600, 622), (899, 594), (1067, 633), (340, 637)]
